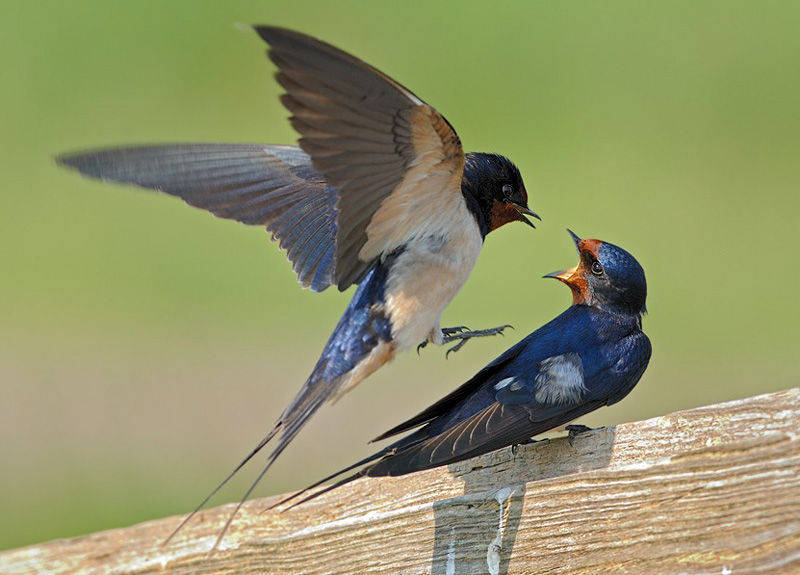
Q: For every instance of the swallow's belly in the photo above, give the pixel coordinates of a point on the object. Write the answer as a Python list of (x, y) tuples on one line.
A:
[(426, 277)]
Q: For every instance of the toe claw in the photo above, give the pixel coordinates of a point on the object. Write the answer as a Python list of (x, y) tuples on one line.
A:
[(515, 447), (574, 431), (450, 331), (455, 348)]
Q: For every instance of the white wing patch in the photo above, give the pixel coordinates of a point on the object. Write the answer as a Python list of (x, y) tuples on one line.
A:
[(503, 383), (560, 379)]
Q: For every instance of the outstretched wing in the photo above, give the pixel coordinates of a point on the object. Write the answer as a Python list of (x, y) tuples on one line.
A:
[(396, 162), (256, 184)]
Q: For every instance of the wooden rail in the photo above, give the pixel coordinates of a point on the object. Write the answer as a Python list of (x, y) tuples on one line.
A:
[(708, 490)]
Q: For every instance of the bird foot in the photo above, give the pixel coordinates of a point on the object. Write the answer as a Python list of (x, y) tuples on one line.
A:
[(574, 431), (446, 332), (462, 336), (515, 446)]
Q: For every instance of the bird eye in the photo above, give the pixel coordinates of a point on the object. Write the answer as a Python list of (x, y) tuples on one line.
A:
[(597, 269), (508, 189)]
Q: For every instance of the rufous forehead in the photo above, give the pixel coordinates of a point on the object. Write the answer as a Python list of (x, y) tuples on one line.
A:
[(590, 246)]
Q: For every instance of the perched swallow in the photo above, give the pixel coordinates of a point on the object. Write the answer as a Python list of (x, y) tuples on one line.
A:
[(591, 355), (380, 194)]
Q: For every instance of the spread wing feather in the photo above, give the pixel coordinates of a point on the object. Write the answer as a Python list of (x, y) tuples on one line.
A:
[(383, 165), (256, 184), (385, 150)]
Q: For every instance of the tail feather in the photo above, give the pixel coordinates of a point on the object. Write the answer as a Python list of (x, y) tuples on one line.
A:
[(311, 397), (357, 475), (297, 494), (360, 344), (290, 423), (273, 456), (267, 438)]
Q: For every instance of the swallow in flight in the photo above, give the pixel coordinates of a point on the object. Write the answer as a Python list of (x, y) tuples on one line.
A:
[(379, 194), (591, 355)]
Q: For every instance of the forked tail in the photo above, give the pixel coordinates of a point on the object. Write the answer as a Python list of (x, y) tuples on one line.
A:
[(360, 344)]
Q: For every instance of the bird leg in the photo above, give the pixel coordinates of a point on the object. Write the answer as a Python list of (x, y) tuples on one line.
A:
[(463, 336), (446, 332), (574, 431)]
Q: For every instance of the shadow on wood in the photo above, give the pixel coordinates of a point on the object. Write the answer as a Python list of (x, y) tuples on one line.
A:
[(708, 490), (475, 532)]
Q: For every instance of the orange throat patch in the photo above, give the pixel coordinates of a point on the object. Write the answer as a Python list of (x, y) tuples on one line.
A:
[(503, 214)]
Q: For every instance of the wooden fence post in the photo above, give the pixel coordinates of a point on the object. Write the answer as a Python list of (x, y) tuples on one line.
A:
[(708, 490)]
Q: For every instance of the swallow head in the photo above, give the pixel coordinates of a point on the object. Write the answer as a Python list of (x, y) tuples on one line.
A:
[(495, 191), (606, 276)]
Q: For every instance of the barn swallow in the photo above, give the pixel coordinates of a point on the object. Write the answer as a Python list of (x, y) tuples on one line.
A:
[(379, 194), (591, 355)]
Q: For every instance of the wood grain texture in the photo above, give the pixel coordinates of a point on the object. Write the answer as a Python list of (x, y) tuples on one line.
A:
[(708, 490)]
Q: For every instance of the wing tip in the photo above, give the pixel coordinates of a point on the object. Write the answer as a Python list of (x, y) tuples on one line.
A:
[(85, 163), (271, 34), (262, 31), (384, 435), (70, 160)]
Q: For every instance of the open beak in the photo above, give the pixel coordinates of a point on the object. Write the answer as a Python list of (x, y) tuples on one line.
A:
[(564, 275), (526, 211), (567, 276), (576, 239)]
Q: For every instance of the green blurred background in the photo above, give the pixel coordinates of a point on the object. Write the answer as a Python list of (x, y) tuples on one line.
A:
[(146, 346)]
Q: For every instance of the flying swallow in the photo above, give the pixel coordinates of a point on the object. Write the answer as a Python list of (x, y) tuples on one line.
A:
[(379, 194), (591, 355)]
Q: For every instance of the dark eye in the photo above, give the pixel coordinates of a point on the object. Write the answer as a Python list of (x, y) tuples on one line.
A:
[(508, 190), (597, 269)]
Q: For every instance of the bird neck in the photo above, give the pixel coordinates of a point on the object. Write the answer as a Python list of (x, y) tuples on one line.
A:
[(477, 207), (614, 314)]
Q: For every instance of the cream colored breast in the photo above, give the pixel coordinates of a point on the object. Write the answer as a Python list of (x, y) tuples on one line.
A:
[(428, 275)]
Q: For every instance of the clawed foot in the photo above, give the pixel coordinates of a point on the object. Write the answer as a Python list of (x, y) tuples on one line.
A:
[(462, 335), (446, 332), (574, 431), (515, 446)]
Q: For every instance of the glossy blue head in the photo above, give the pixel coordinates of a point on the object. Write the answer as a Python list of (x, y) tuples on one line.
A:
[(606, 276)]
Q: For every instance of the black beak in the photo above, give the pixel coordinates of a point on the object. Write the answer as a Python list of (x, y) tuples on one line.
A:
[(575, 239), (526, 211)]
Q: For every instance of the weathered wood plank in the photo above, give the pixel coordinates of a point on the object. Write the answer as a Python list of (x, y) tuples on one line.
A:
[(708, 490)]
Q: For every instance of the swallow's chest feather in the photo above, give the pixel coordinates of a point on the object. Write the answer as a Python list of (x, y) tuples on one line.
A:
[(428, 274)]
